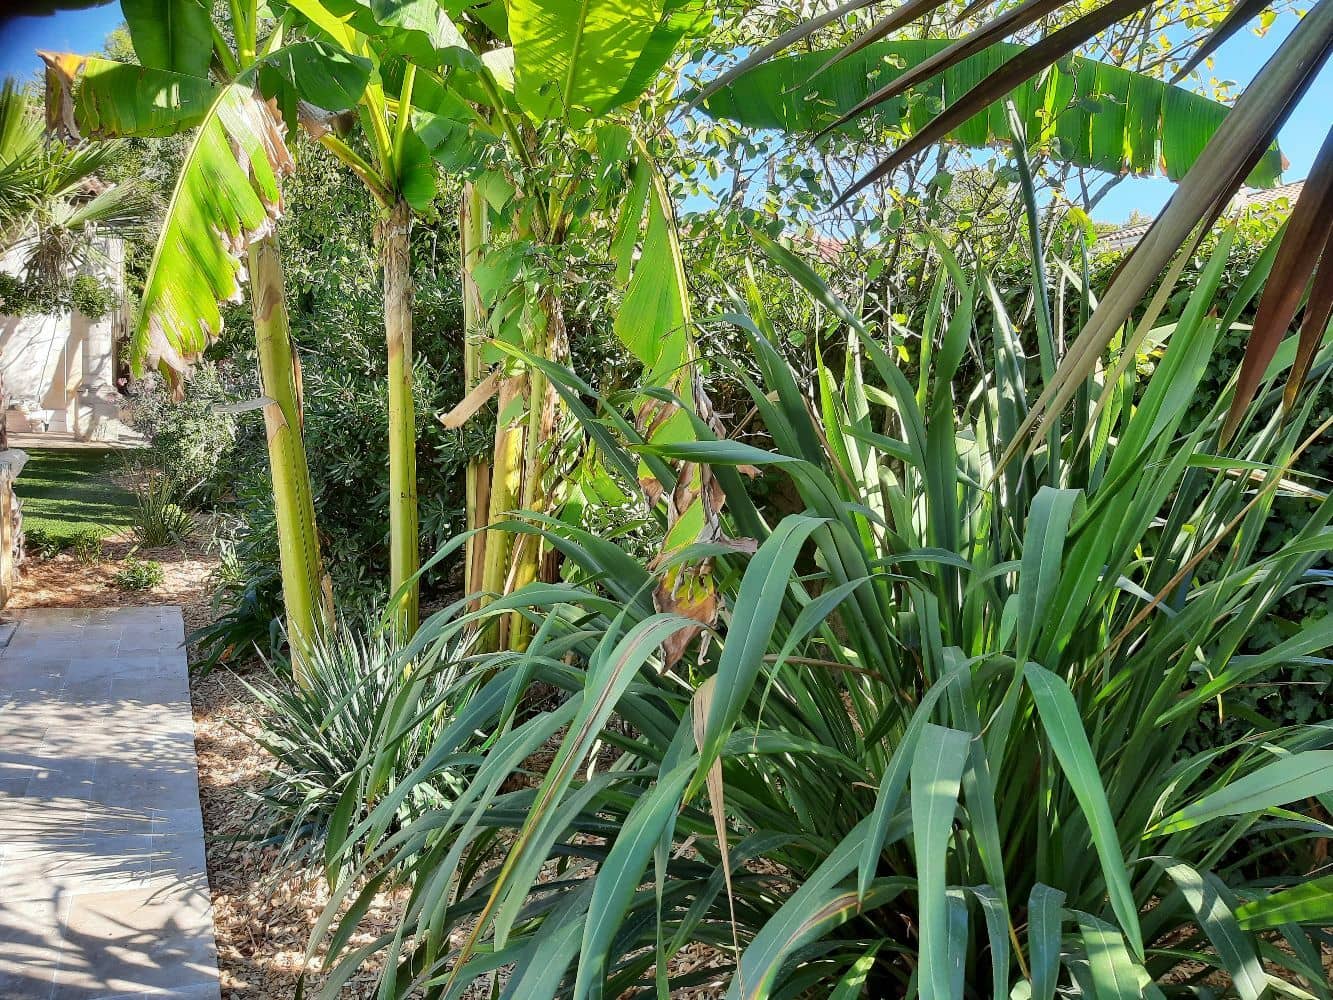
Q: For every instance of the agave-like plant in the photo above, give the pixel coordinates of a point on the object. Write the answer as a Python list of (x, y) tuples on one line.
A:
[(936, 746)]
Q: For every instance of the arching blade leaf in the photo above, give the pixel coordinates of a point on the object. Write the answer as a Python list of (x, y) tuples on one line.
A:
[(1296, 776), (1061, 722), (1311, 903), (1114, 119), (227, 196), (937, 770), (1207, 896), (103, 99)]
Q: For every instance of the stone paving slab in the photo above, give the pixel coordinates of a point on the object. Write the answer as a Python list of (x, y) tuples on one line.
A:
[(103, 888)]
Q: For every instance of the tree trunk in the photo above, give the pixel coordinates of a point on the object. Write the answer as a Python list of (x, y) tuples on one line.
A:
[(538, 489), (404, 561), (473, 231), (305, 598), (506, 485)]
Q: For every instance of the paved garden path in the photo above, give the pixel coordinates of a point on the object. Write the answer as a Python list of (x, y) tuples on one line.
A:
[(103, 890)]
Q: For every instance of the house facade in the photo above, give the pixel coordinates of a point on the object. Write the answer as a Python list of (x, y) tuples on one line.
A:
[(60, 370)]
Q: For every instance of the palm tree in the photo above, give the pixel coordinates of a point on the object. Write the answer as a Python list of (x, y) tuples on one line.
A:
[(52, 203)]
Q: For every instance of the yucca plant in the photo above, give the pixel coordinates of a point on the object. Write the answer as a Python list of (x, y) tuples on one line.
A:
[(159, 516), (321, 735), (936, 746)]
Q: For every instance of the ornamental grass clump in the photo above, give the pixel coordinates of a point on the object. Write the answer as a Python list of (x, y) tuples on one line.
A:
[(937, 744)]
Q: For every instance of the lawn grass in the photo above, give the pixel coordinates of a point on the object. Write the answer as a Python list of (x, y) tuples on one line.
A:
[(67, 491)]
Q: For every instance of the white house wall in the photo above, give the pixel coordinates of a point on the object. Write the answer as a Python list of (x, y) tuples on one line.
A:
[(64, 363)]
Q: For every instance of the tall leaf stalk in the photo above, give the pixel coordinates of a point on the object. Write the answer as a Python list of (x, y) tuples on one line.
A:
[(396, 258), (472, 229), (304, 593)]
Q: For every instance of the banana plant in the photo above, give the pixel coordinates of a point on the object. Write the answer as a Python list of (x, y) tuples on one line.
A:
[(1084, 112), (500, 96), (223, 210), (1230, 155), (400, 174)]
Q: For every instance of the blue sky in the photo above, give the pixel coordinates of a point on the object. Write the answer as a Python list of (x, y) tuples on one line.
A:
[(66, 31), (1239, 59)]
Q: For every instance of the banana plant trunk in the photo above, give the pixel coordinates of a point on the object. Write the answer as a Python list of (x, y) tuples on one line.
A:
[(305, 596), (473, 230), (526, 457), (404, 560)]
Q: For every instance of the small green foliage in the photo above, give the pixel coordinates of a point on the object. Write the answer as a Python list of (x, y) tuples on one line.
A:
[(86, 545), (159, 517), (16, 296), (90, 297), (359, 698), (43, 544), (30, 296), (139, 574)]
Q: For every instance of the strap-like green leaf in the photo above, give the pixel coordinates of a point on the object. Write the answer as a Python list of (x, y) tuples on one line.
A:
[(1062, 723), (1044, 919), (937, 771), (1311, 903), (1298, 776), (621, 874)]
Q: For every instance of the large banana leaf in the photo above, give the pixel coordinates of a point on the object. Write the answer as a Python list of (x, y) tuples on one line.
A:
[(1088, 113), (103, 99), (173, 35), (654, 324), (572, 57), (226, 197)]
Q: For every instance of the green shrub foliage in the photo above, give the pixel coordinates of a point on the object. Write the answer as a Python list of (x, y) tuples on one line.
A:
[(137, 574)]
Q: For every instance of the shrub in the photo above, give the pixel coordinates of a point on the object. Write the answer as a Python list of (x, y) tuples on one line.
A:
[(246, 610), (192, 438), (90, 297), (42, 544), (940, 730), (139, 574), (359, 697), (86, 545)]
